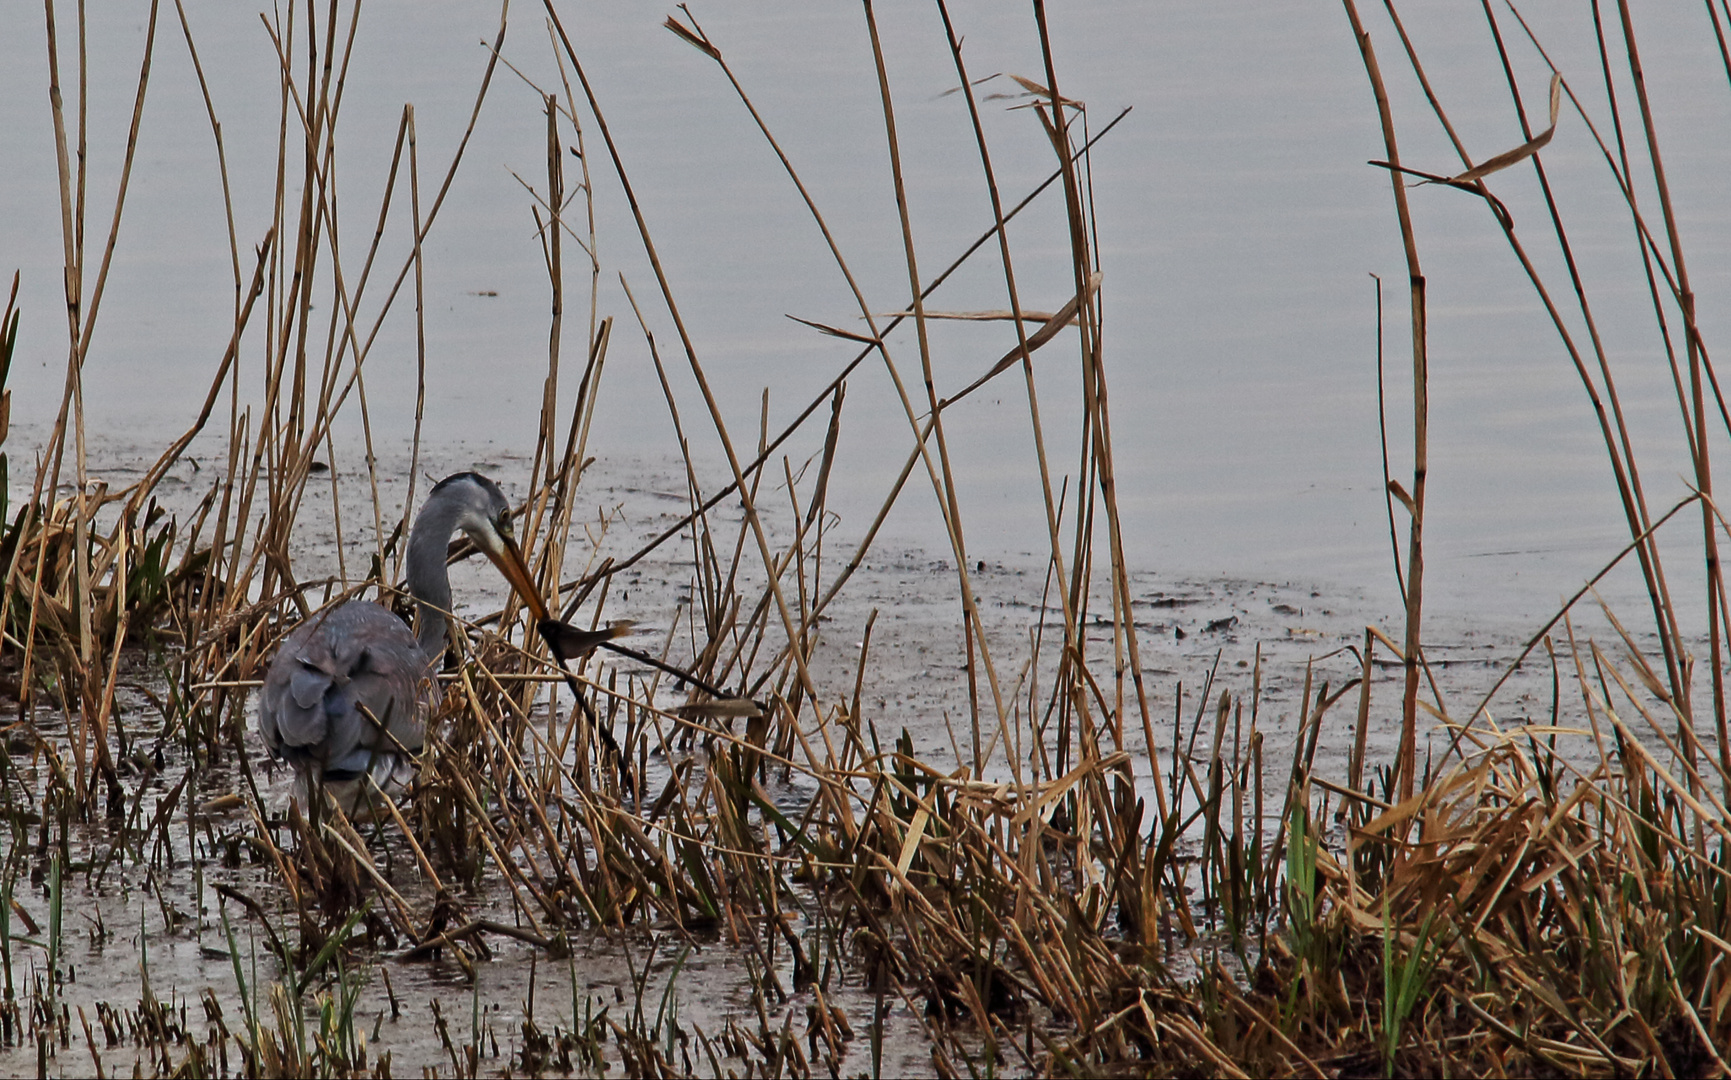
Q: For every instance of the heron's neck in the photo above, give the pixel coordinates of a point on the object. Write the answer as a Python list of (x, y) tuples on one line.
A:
[(429, 581)]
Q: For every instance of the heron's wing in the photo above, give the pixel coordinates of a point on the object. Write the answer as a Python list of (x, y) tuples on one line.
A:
[(291, 716), (379, 682), (397, 690), (308, 685), (342, 680)]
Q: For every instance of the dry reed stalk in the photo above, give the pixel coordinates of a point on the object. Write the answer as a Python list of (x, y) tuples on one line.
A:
[(1692, 341), (1023, 348), (1413, 501), (1612, 428), (690, 352)]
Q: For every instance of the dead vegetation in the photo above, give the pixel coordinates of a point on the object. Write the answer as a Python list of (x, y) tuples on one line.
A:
[(1101, 891)]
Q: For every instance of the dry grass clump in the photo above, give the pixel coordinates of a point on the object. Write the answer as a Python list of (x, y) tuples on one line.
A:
[(1086, 895)]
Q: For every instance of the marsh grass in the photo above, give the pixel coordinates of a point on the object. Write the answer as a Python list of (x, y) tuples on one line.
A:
[(1083, 892)]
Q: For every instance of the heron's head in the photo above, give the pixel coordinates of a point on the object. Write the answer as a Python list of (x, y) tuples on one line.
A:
[(483, 513), (480, 508)]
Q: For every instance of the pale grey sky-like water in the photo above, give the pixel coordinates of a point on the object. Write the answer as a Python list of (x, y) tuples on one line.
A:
[(1238, 223)]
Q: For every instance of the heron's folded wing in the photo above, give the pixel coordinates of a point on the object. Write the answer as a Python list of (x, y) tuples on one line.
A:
[(291, 710), (396, 693), (308, 684), (334, 671), (299, 714), (302, 728)]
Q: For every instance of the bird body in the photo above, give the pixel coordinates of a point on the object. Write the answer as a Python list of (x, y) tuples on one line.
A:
[(351, 688), (348, 694)]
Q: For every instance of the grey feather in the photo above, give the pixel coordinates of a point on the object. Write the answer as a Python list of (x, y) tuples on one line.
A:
[(314, 712), (351, 689), (308, 685)]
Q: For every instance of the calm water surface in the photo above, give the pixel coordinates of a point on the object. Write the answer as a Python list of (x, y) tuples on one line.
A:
[(1238, 223)]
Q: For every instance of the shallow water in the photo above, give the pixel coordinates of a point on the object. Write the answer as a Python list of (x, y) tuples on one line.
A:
[(135, 933), (1197, 636)]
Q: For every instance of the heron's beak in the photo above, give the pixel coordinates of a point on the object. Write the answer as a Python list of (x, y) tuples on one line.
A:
[(509, 560)]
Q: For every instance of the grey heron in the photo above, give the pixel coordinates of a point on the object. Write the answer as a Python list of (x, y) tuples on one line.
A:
[(350, 690)]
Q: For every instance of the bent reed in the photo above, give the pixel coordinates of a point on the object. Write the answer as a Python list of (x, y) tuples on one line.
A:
[(1102, 885)]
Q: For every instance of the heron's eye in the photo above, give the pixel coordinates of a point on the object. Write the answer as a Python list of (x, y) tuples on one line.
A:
[(503, 525)]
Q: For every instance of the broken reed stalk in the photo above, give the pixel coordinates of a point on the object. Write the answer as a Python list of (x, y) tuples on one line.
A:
[(1612, 429), (1406, 761), (1071, 638), (946, 489), (1685, 298)]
